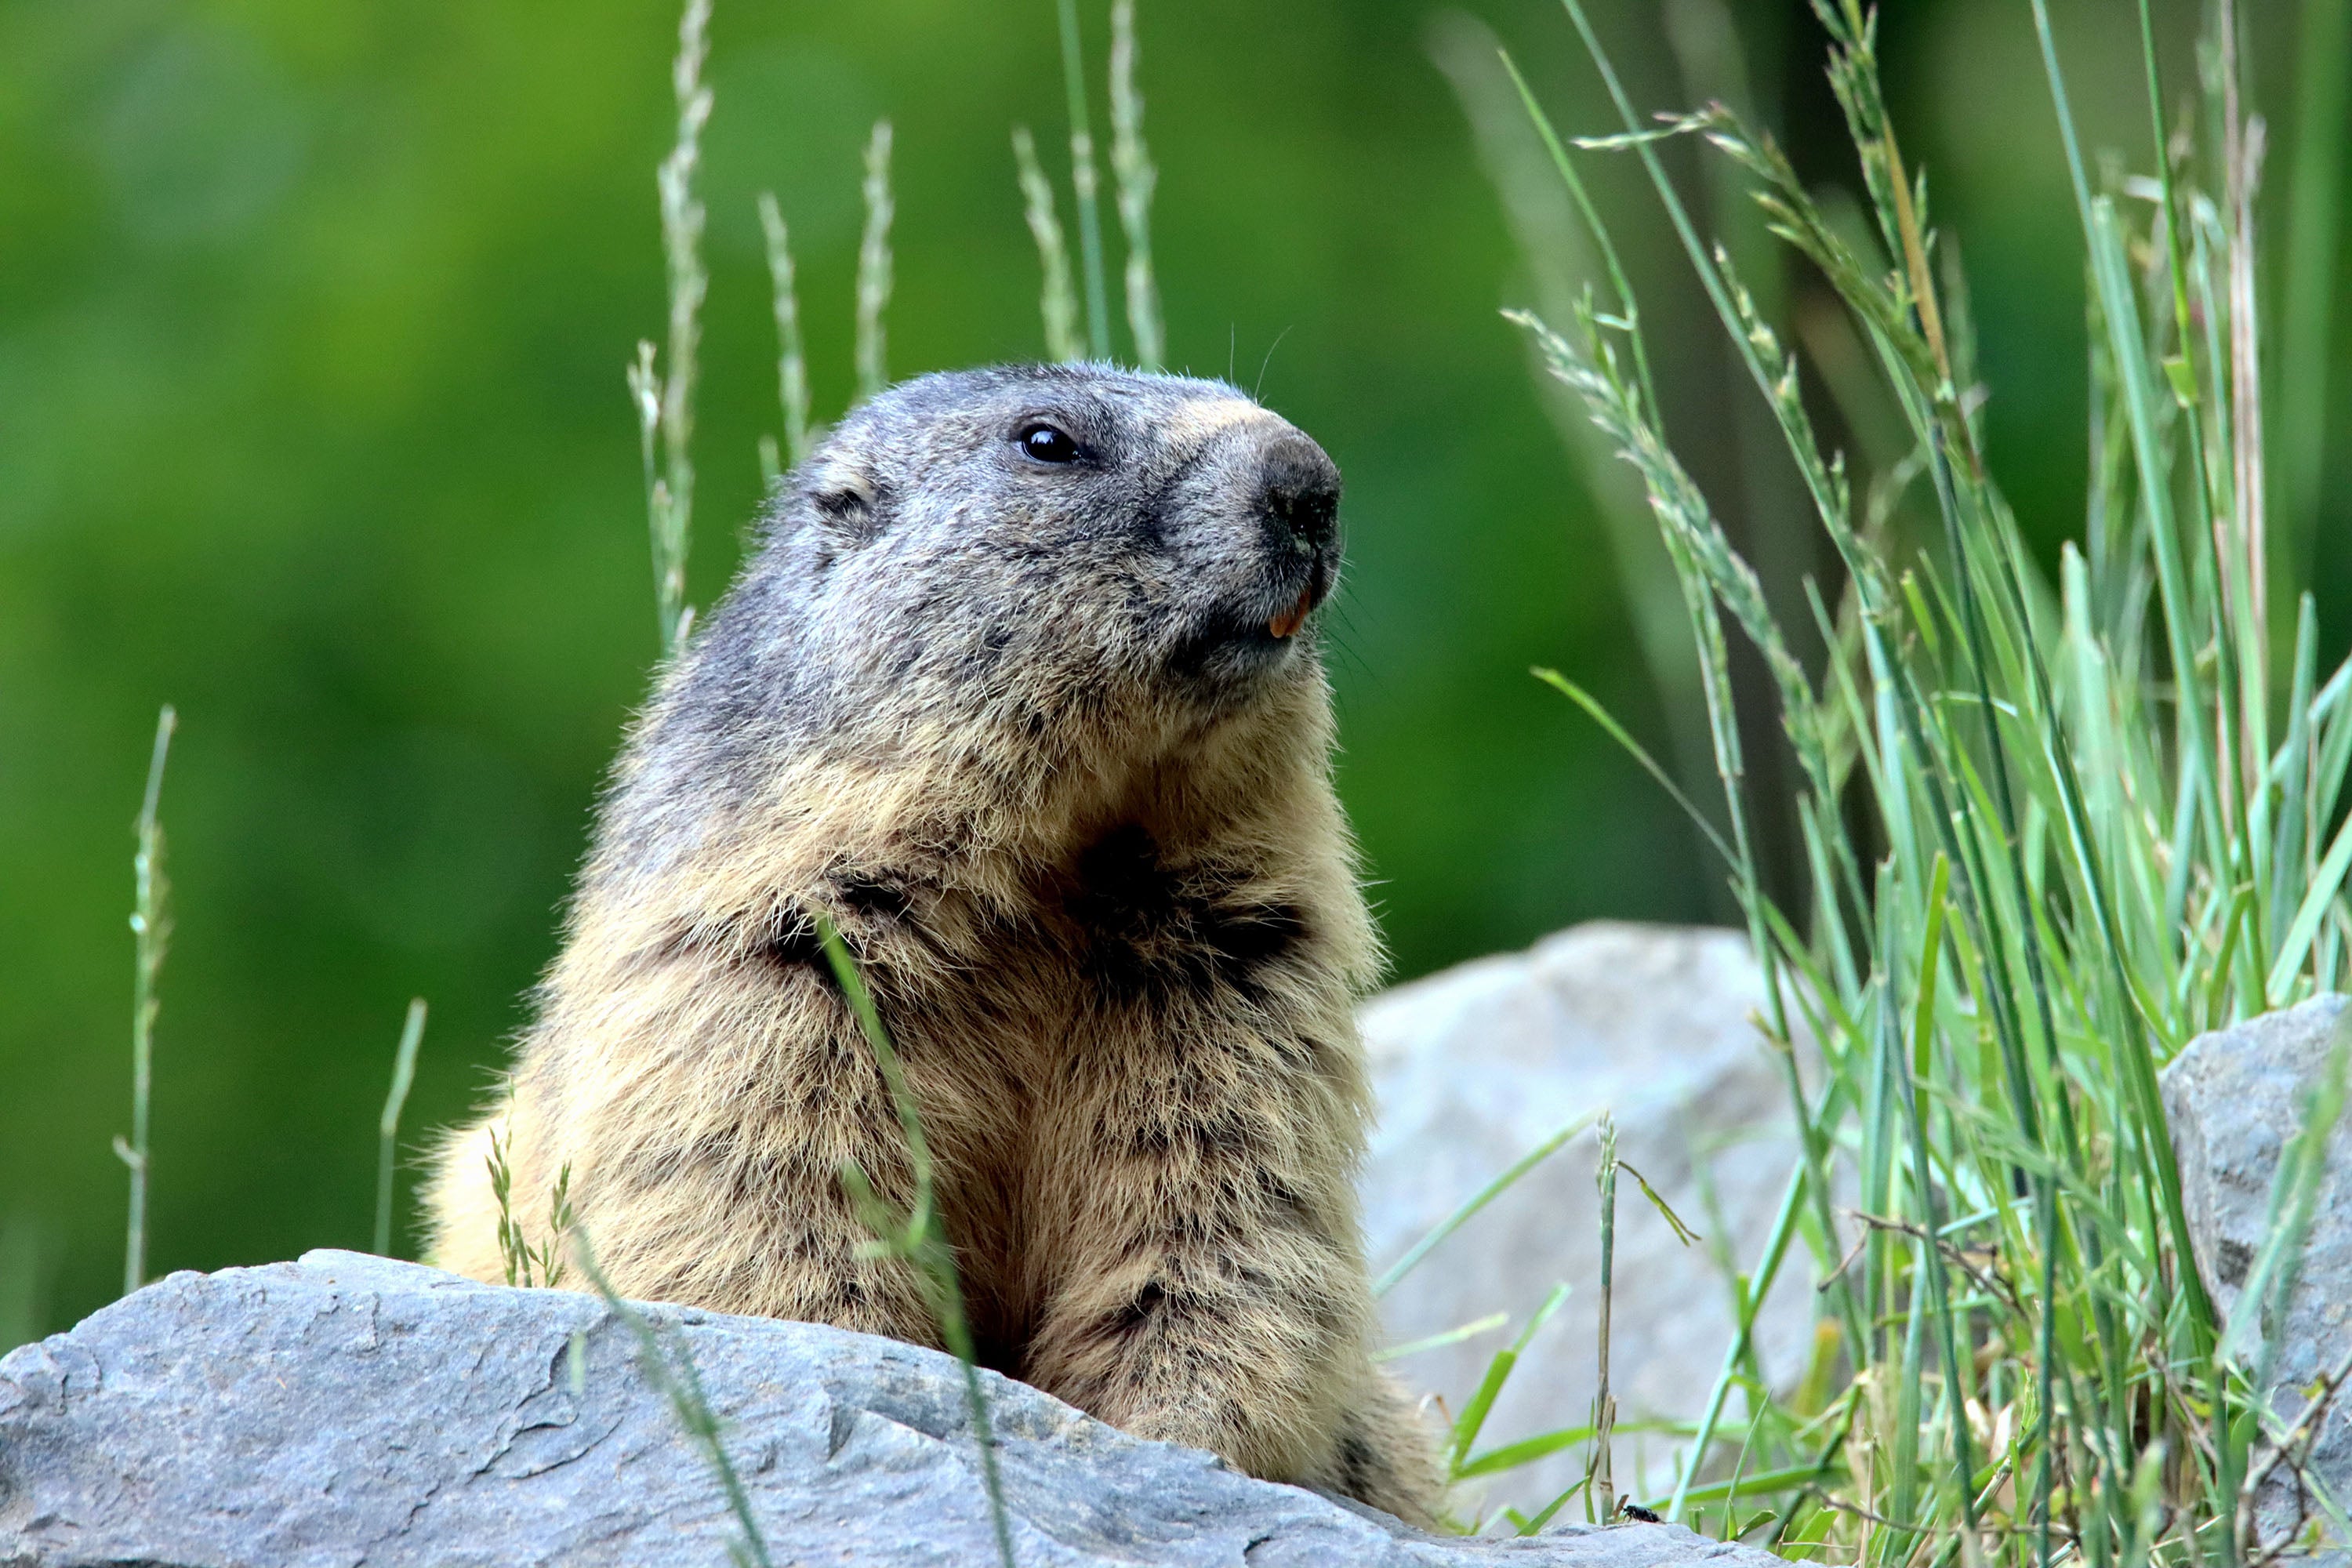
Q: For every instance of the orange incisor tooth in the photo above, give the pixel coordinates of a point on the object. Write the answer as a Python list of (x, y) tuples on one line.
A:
[(1288, 621)]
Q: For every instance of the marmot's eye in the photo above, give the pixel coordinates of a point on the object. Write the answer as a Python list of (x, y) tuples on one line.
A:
[(1047, 445)]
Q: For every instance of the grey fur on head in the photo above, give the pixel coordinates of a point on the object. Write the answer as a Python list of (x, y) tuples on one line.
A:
[(924, 575)]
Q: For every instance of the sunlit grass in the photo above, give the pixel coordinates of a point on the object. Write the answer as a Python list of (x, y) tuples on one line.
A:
[(151, 931), (403, 1077), (2052, 829)]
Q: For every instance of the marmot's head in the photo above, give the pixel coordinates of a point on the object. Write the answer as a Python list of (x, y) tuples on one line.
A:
[(1048, 552), (1072, 523)]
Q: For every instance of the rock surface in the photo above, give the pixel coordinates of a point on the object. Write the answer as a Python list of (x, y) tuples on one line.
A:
[(348, 1410), (2233, 1099), (1475, 1067)]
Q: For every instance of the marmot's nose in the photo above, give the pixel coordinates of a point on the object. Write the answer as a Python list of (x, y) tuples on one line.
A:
[(1299, 488)]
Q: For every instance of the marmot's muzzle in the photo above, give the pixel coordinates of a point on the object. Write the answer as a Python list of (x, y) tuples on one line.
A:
[(1299, 491)]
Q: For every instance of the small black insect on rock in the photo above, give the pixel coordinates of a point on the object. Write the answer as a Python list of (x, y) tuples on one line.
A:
[(1634, 1510)]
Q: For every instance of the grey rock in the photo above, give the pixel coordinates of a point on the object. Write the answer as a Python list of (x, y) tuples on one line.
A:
[(348, 1410), (1477, 1064), (2233, 1099)]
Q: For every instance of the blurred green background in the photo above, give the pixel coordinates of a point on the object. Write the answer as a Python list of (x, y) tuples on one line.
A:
[(312, 323)]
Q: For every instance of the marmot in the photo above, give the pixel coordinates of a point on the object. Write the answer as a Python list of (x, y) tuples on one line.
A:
[(1020, 688)]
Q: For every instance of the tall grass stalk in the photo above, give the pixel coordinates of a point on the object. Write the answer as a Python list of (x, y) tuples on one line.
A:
[(1546, 201), (669, 1365), (1462, 1460), (1130, 162), (1084, 180), (528, 1266), (791, 359), (1477, 1200), (663, 391), (403, 1074), (1057, 303), (874, 266), (2323, 99), (151, 933), (918, 1237), (2052, 829), (1604, 1404), (1454, 1336)]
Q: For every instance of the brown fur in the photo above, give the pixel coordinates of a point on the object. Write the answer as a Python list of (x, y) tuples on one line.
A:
[(1113, 926)]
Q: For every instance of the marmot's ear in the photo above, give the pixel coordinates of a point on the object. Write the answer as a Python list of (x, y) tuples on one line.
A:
[(844, 499)]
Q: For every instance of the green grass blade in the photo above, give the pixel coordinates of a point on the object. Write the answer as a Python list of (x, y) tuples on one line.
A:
[(1084, 182), (151, 931), (792, 354), (1526, 1451), (2321, 894), (2322, 95), (1056, 304), (670, 1367), (874, 266), (403, 1073), (1453, 1336), (1616, 731), (1131, 163), (1467, 1425), (1478, 1200)]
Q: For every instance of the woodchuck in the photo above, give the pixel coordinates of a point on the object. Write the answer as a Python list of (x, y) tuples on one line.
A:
[(1021, 690)]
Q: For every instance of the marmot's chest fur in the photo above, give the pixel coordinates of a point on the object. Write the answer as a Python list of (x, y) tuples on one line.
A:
[(1020, 694)]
